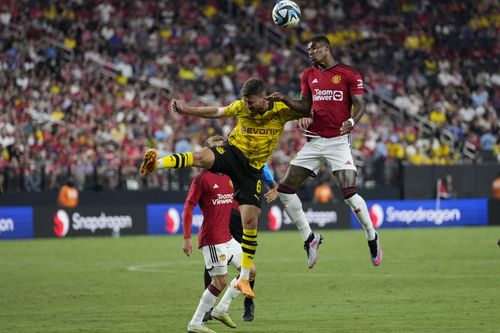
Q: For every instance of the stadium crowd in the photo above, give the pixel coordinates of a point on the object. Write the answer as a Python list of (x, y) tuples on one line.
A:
[(85, 86)]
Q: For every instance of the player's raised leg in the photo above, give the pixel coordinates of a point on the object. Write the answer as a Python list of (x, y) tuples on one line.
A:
[(293, 179), (347, 182), (202, 159)]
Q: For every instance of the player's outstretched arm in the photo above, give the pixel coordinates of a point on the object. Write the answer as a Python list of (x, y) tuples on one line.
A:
[(303, 105), (198, 111)]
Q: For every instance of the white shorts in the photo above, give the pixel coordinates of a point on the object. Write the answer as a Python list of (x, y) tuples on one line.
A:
[(317, 151), (217, 257)]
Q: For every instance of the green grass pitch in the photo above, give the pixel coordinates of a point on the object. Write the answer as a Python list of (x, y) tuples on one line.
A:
[(431, 280)]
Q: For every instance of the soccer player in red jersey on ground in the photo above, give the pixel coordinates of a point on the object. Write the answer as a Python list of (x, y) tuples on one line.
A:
[(204, 188), (221, 219), (334, 91)]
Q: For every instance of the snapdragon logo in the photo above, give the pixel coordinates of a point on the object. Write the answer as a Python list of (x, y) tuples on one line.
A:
[(62, 222), (172, 221), (274, 218), (321, 218), (377, 215), (408, 216), (103, 221), (6, 225)]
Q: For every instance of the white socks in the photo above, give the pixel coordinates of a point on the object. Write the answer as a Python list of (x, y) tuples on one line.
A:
[(293, 207), (207, 301), (359, 208), (245, 273), (231, 292)]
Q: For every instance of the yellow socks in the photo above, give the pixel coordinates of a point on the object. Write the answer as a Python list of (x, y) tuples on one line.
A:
[(248, 246), (177, 161)]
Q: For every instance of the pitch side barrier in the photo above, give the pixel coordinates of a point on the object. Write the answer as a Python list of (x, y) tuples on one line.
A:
[(494, 212), (469, 180), (16, 222), (164, 219), (89, 220), (25, 222), (426, 213)]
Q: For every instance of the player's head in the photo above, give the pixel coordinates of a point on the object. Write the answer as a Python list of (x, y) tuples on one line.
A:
[(215, 140), (253, 94), (319, 49)]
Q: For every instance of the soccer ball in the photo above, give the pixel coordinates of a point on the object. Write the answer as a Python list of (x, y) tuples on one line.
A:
[(286, 14)]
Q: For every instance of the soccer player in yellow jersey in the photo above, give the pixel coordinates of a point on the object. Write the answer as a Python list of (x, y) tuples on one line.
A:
[(257, 132)]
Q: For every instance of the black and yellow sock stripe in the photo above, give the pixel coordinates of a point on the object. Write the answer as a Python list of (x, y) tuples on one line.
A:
[(181, 160), (248, 246)]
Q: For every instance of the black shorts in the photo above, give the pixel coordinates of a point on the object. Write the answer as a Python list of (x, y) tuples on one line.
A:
[(247, 181)]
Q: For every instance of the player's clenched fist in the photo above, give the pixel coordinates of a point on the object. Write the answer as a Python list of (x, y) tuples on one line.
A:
[(176, 106), (304, 123)]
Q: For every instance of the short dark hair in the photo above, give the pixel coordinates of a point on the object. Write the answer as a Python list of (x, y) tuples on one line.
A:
[(209, 141), (320, 39), (252, 87)]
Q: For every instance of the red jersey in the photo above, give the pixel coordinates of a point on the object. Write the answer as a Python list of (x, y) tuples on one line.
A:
[(331, 92), (213, 192)]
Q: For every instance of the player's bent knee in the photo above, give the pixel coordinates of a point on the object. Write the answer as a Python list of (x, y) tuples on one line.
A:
[(219, 281), (285, 189), (251, 222), (349, 192), (203, 158)]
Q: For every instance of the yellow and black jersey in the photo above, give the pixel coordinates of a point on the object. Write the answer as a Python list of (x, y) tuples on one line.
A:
[(257, 135)]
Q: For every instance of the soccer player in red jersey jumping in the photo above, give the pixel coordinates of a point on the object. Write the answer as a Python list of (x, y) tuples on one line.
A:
[(334, 92)]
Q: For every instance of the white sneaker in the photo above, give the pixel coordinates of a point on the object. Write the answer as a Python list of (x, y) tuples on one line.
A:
[(199, 328), (312, 249), (224, 318)]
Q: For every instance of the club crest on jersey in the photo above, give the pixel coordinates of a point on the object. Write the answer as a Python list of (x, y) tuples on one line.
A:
[(220, 150), (336, 79)]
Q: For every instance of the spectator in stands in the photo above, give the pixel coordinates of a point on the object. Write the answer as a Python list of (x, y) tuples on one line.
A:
[(488, 141), (445, 188), (104, 69), (379, 158)]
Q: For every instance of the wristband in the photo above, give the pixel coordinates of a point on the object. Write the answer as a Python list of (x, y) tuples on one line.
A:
[(351, 121)]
